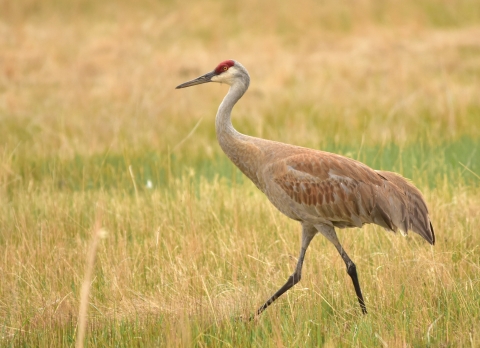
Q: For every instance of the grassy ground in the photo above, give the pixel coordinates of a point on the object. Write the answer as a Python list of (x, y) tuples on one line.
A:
[(93, 130)]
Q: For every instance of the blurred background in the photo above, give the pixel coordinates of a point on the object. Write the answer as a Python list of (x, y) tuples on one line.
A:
[(368, 78), (92, 129)]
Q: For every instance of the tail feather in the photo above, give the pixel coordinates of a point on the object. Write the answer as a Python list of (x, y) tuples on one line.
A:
[(417, 217)]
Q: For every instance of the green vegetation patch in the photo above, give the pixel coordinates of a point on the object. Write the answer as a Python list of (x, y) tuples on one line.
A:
[(457, 161)]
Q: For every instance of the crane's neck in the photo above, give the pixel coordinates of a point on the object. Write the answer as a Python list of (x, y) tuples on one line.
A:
[(223, 122), (238, 147)]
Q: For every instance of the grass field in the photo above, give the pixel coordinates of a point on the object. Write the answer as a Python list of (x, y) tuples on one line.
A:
[(93, 131)]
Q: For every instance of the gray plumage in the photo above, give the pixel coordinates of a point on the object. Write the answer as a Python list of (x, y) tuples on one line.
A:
[(321, 190)]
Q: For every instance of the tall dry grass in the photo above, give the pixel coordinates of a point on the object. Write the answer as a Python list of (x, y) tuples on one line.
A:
[(90, 122)]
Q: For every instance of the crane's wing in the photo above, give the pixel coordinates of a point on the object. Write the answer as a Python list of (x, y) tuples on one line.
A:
[(419, 220), (348, 193)]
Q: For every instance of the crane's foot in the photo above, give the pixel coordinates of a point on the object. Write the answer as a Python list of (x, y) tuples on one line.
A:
[(245, 318)]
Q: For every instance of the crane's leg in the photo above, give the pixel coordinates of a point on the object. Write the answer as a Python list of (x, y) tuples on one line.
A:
[(308, 232), (331, 235)]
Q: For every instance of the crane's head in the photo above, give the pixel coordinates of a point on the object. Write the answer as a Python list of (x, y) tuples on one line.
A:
[(228, 71)]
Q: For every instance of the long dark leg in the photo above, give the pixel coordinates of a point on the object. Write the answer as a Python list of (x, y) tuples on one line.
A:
[(331, 235), (308, 232)]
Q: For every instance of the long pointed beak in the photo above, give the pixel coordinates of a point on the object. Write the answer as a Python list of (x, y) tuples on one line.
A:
[(199, 80)]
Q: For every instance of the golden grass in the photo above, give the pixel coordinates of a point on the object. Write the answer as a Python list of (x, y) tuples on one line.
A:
[(89, 115), (83, 84), (221, 252)]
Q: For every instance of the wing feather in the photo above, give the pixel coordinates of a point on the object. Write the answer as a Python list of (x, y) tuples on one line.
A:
[(348, 193)]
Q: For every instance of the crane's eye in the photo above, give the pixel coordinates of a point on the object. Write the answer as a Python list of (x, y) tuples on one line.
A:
[(225, 68)]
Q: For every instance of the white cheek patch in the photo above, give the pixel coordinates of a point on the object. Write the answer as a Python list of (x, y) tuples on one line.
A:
[(225, 77)]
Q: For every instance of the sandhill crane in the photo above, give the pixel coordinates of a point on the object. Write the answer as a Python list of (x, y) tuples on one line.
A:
[(319, 189)]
